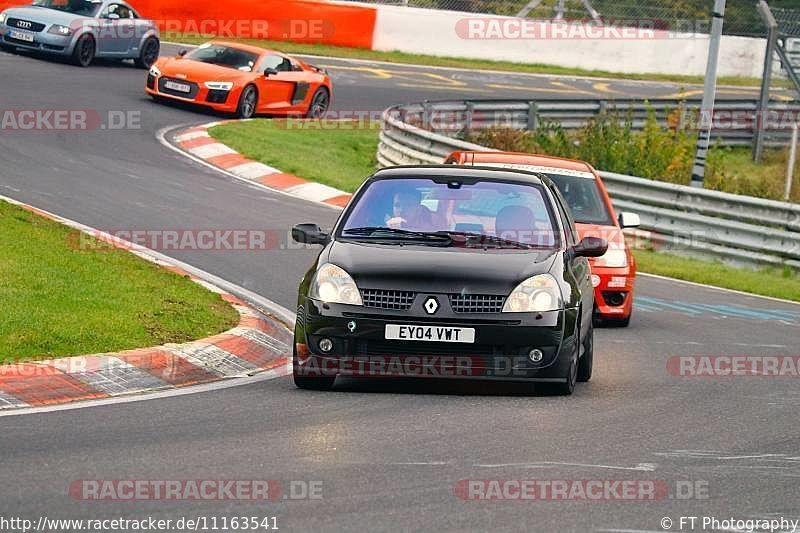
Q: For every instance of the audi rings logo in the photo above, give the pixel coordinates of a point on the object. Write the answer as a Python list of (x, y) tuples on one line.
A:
[(24, 24)]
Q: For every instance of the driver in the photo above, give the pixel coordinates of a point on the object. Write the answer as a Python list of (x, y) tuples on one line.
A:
[(409, 213)]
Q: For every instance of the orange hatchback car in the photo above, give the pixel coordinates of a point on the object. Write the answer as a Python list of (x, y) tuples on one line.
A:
[(614, 274)]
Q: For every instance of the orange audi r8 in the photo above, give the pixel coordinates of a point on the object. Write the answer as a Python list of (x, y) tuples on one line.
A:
[(613, 274), (242, 79)]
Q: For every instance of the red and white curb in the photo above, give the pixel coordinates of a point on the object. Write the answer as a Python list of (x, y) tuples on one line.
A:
[(260, 343), (198, 143)]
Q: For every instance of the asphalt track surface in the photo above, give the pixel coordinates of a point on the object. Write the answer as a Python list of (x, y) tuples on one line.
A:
[(388, 453)]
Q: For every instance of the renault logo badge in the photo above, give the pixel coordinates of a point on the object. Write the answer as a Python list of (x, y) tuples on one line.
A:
[(431, 305)]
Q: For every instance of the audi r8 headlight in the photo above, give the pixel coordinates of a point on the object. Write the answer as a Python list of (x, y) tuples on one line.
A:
[(333, 285), (58, 29), (538, 294), (613, 258), (154, 71), (219, 85)]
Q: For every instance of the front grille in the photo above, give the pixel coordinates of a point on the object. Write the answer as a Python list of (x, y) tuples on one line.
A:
[(190, 95), (385, 299), (476, 303), (25, 25), (401, 348)]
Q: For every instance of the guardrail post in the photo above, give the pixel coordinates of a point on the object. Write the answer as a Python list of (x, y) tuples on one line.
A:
[(426, 116), (469, 117), (533, 116), (792, 161)]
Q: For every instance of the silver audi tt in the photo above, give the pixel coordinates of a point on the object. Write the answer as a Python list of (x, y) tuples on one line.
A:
[(81, 30)]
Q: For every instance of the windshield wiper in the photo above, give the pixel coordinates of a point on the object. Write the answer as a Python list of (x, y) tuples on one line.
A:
[(483, 239), (392, 233)]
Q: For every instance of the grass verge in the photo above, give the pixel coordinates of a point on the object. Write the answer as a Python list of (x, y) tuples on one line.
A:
[(339, 154), (343, 156), (64, 294), (457, 62)]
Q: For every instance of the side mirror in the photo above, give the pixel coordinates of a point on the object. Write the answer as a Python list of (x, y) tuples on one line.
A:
[(629, 220), (183, 53), (591, 247), (310, 234), (270, 72)]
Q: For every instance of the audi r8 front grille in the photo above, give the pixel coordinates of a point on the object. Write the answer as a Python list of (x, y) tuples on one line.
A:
[(216, 96), (385, 299), (26, 25), (476, 303)]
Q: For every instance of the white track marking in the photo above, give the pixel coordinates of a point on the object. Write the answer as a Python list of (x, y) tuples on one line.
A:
[(641, 467), (732, 291)]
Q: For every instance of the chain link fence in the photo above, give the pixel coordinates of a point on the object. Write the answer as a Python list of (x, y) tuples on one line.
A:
[(741, 17)]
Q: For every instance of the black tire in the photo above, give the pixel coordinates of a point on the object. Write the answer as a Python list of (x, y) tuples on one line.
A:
[(567, 387), (320, 103), (619, 322), (248, 103), (5, 47), (84, 51), (148, 54), (587, 361)]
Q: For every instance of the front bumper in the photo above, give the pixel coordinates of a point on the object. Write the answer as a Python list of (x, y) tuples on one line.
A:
[(613, 292), (500, 352), (222, 101), (42, 41)]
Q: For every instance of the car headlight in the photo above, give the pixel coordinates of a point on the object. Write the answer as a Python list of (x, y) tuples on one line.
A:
[(154, 71), (219, 85), (613, 258), (2, 18), (60, 30), (332, 285), (538, 294)]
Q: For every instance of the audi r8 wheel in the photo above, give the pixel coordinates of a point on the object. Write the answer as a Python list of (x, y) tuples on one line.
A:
[(149, 53), (84, 51), (586, 362), (248, 103), (319, 104)]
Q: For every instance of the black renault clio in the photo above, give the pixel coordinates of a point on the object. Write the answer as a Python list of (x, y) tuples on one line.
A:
[(448, 272)]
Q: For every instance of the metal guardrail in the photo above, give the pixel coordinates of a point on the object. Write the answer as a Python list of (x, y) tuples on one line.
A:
[(735, 122), (739, 229)]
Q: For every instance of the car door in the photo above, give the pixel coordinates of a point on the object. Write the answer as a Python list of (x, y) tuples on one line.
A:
[(116, 31), (278, 83), (578, 267)]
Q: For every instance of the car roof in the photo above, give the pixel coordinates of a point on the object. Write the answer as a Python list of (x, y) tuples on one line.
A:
[(458, 171), (531, 159)]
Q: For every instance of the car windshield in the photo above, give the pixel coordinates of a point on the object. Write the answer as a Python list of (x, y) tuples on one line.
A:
[(584, 198), (487, 213), (225, 56), (77, 7)]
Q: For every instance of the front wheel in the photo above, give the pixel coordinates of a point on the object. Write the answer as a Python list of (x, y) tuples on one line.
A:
[(149, 53), (319, 104), (248, 103), (84, 51)]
